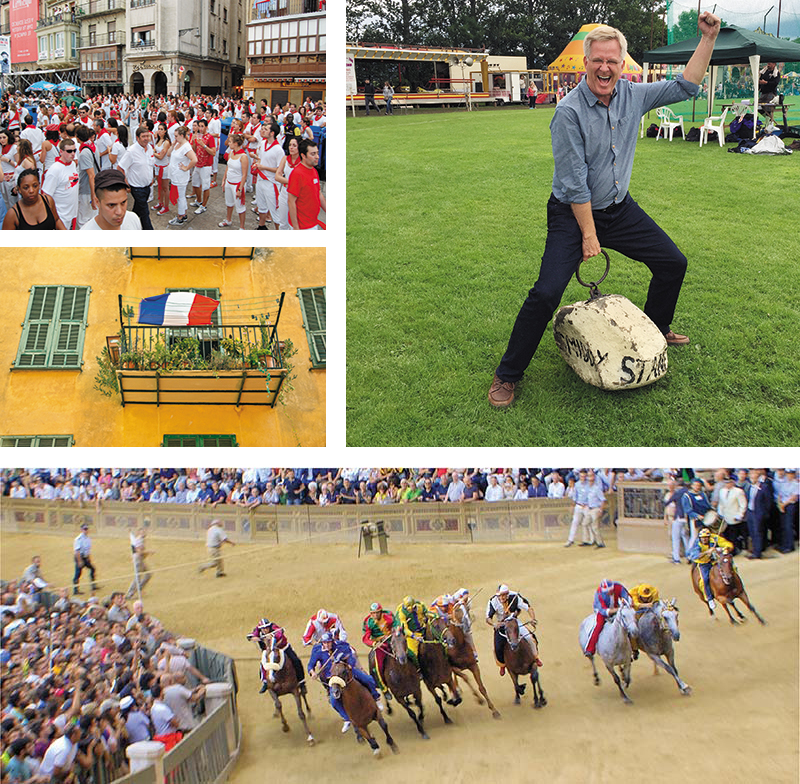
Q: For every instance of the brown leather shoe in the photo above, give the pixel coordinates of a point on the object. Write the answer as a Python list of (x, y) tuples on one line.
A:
[(501, 393), (674, 339)]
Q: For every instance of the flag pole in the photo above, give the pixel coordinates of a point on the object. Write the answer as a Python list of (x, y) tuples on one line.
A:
[(134, 543)]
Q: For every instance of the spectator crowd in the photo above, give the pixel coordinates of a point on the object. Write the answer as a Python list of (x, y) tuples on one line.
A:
[(83, 681), (74, 166)]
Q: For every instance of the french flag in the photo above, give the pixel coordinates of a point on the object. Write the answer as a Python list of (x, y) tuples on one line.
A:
[(178, 309)]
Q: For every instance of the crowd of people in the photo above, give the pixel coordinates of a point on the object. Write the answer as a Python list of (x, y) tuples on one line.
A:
[(75, 166), (252, 487), (82, 681)]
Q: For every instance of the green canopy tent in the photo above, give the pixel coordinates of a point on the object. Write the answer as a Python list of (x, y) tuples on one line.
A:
[(734, 46)]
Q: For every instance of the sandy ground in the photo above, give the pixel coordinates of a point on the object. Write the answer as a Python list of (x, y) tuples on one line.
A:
[(739, 725)]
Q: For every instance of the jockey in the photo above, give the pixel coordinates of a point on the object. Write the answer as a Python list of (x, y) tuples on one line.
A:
[(703, 553), (323, 655), (608, 598), (442, 606), (509, 604), (319, 623), (262, 633), (413, 617), (462, 601), (644, 597), (377, 627)]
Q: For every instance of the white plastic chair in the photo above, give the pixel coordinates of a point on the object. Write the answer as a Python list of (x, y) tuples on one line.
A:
[(669, 122), (714, 123)]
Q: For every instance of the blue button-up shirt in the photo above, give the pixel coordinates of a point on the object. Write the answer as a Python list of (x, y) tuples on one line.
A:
[(593, 145), (582, 492)]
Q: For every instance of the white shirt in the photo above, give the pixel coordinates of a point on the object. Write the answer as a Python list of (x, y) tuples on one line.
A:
[(161, 714), (62, 184), (34, 136), (138, 164), (130, 222), (83, 544), (60, 753), (177, 697), (103, 143), (270, 155), (494, 492), (215, 536)]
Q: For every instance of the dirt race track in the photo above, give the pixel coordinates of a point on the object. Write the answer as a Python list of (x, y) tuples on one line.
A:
[(739, 725)]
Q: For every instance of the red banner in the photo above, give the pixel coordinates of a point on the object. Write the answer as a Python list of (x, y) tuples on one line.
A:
[(23, 16)]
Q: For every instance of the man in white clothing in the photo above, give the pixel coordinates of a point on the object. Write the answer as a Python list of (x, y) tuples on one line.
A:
[(267, 191), (62, 183), (215, 538), (732, 508), (112, 204), (60, 754)]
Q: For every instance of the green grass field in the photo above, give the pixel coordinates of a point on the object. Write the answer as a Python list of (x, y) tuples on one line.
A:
[(445, 231)]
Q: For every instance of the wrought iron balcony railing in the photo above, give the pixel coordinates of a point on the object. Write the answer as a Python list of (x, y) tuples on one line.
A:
[(214, 365)]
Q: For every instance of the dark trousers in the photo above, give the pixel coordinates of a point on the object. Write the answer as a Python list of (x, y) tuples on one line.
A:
[(737, 534), (370, 100), (755, 527), (788, 526), (140, 198), (624, 227), (82, 562)]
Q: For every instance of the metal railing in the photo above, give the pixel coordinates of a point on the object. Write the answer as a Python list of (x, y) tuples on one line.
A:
[(102, 39), (229, 347), (262, 10), (142, 3), (58, 19)]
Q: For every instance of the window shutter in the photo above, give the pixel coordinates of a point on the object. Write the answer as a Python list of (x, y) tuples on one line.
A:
[(202, 440), (312, 304), (55, 327)]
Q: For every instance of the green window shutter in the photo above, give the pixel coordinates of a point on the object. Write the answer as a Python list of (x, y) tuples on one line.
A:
[(55, 327), (203, 440), (312, 304), (37, 441)]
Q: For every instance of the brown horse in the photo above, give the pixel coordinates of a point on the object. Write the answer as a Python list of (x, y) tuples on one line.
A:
[(726, 585), (281, 679), (435, 667), (358, 704), (462, 657), (401, 677), (519, 660)]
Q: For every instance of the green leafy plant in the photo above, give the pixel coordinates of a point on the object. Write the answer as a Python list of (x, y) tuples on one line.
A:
[(105, 380)]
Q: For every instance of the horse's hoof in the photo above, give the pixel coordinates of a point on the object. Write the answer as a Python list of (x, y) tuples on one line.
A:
[(425, 736), (448, 720), (394, 748), (596, 681), (686, 691), (285, 728), (495, 714), (544, 701), (516, 700), (480, 700), (310, 740), (359, 739), (628, 701), (377, 753)]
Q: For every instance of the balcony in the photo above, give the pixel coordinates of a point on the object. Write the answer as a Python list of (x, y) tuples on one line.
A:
[(284, 71), (67, 18), (103, 39), (215, 365), (264, 9), (99, 7)]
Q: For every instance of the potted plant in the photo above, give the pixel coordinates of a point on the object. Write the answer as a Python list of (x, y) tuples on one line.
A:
[(105, 381)]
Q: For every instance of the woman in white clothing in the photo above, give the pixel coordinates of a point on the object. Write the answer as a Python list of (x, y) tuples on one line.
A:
[(182, 161), (119, 146), (285, 168), (235, 180), (162, 146), (8, 159)]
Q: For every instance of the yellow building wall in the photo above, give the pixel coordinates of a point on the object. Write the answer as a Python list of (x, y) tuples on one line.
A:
[(50, 402)]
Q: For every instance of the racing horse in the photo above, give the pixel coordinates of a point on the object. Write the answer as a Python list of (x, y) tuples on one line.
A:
[(281, 679), (613, 645), (401, 677), (435, 667), (657, 628), (726, 586), (359, 705), (519, 659), (462, 657)]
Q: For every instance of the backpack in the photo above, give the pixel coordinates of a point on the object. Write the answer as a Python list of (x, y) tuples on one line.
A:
[(652, 131), (693, 135)]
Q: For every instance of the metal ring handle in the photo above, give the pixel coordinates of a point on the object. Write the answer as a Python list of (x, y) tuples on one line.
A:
[(594, 285)]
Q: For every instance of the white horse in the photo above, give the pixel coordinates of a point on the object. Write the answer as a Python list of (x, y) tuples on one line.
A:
[(658, 627), (613, 645)]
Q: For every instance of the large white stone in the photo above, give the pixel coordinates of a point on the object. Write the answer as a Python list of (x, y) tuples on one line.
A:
[(610, 343)]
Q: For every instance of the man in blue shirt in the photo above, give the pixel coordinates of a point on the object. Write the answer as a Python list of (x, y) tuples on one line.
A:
[(594, 131)]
